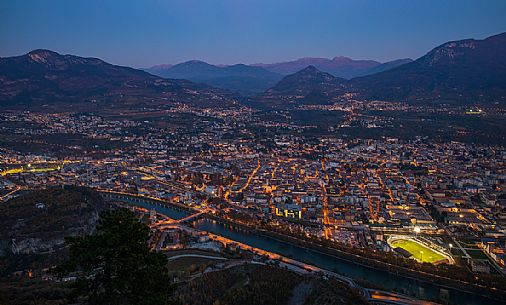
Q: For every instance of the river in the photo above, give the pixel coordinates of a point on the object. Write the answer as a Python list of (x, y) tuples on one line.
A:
[(387, 280)]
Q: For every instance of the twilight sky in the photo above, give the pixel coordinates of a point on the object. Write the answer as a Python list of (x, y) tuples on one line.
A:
[(142, 33)]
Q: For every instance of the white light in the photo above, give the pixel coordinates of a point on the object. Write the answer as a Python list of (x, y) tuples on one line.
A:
[(417, 230)]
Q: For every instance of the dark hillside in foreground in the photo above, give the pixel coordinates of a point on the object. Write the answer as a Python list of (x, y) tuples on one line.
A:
[(35, 224), (266, 285), (32, 236)]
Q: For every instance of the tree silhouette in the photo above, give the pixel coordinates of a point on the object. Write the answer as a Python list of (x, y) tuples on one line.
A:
[(114, 265)]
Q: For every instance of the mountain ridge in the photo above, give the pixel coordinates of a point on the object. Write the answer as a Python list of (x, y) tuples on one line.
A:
[(241, 78), (462, 70), (256, 78), (339, 66), (308, 86), (43, 77)]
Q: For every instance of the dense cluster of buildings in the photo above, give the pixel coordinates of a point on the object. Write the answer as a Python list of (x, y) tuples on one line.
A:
[(353, 191)]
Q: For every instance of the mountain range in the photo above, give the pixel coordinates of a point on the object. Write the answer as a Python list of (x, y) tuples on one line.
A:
[(244, 79), (44, 77), (253, 79), (339, 66), (465, 71)]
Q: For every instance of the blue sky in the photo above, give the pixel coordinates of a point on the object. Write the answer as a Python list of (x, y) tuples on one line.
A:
[(142, 33)]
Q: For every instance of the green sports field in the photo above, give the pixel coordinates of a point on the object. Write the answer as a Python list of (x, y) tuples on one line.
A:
[(420, 252)]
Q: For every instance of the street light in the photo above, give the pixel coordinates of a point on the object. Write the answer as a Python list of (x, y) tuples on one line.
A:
[(417, 230)]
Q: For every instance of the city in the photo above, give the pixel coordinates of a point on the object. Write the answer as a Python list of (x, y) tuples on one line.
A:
[(280, 187), (360, 194)]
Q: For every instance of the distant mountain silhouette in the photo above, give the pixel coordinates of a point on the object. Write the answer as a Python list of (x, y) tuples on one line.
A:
[(240, 78), (465, 71), (253, 79), (339, 66), (156, 70), (387, 66), (44, 77)]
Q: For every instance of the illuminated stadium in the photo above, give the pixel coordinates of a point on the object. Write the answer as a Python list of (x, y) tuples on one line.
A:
[(418, 249)]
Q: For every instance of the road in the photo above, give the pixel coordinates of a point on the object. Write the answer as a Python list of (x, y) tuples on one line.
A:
[(169, 184), (325, 202), (253, 173), (6, 196), (195, 255)]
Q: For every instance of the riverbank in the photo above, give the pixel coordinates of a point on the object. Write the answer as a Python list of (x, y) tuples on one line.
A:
[(440, 281)]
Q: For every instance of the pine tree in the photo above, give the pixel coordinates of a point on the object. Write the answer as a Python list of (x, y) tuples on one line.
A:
[(115, 266)]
